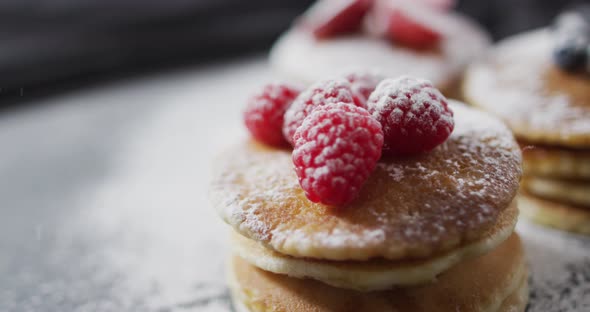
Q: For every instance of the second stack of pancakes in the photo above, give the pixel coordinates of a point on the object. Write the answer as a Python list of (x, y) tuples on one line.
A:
[(548, 109), (427, 233)]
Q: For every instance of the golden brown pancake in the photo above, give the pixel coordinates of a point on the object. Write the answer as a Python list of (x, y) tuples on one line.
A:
[(556, 162), (554, 214), (487, 283), (519, 83), (409, 207), (565, 191), (376, 274)]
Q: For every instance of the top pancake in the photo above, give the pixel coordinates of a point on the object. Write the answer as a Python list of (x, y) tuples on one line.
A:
[(298, 55), (541, 103), (409, 208)]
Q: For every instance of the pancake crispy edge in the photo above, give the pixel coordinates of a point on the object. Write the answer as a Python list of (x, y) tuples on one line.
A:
[(376, 274), (555, 162), (576, 193), (553, 214)]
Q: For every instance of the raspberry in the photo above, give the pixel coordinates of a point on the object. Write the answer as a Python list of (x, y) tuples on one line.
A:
[(414, 115), (328, 18), (336, 149), (363, 84), (408, 22), (405, 30), (265, 110), (321, 93)]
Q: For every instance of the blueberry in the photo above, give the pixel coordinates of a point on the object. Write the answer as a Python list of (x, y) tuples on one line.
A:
[(572, 40), (571, 55)]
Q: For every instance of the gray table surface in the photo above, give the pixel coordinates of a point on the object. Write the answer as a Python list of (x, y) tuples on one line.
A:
[(103, 200)]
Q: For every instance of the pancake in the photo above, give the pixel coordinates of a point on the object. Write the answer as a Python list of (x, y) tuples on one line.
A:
[(515, 302), (374, 274), (554, 214), (299, 56), (571, 192), (519, 83), (492, 282), (556, 162), (409, 208)]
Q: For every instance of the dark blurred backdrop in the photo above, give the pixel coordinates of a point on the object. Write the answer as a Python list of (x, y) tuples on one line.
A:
[(46, 45)]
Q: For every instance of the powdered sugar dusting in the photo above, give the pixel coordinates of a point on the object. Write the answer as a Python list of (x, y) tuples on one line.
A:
[(409, 207), (516, 83), (403, 85), (334, 239), (248, 217)]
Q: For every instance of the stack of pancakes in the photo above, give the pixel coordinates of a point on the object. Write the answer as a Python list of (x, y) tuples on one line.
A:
[(549, 111), (432, 232)]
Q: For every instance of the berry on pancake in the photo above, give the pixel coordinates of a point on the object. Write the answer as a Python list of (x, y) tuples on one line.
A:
[(265, 110), (414, 115), (572, 40), (320, 93), (328, 18), (401, 28), (363, 83), (336, 149), (409, 23), (572, 54)]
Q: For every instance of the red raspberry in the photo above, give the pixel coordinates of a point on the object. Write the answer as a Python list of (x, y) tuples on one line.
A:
[(336, 149), (414, 115), (363, 84), (265, 110), (321, 93), (328, 18), (405, 30)]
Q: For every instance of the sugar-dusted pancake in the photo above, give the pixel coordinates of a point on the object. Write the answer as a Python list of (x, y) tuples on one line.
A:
[(571, 192), (376, 274), (556, 162), (554, 214), (541, 103), (491, 282), (409, 207), (299, 56)]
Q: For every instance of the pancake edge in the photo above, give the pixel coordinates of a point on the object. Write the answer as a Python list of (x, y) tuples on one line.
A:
[(576, 193), (553, 214), (369, 280)]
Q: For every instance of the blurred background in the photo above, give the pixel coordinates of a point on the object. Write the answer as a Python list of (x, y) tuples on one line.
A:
[(112, 114), (48, 45)]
